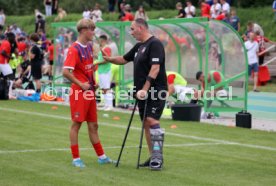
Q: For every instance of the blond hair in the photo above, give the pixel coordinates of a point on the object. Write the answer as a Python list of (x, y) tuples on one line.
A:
[(178, 4), (84, 24)]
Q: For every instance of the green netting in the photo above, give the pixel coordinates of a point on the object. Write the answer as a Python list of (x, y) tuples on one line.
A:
[(190, 45)]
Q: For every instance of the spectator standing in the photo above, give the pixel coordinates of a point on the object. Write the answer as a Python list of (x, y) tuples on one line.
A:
[(61, 14), (40, 25), (261, 41), (225, 7), (215, 9), (235, 20), (252, 27), (96, 14), (39, 20), (205, 9), (48, 7), (111, 6), (140, 13), (190, 10), (252, 48), (37, 13), (181, 11), (274, 9), (121, 4), (54, 7), (128, 16), (2, 18), (86, 13), (36, 61)]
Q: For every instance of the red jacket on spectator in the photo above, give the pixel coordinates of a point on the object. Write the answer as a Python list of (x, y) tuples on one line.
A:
[(21, 47), (128, 17), (205, 10)]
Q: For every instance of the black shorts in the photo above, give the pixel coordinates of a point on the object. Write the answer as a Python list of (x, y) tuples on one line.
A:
[(261, 60), (36, 72), (154, 108), (51, 62)]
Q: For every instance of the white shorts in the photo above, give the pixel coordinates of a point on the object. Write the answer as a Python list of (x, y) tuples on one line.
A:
[(105, 80), (5, 69)]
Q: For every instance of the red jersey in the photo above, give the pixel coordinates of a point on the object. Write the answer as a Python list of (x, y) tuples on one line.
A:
[(261, 41), (80, 60), (217, 79), (51, 52), (205, 10), (5, 46), (21, 46), (171, 78)]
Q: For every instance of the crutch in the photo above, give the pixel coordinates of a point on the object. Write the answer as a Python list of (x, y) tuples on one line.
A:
[(123, 145), (142, 133)]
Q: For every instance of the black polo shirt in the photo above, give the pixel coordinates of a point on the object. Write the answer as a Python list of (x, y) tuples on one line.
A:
[(143, 56)]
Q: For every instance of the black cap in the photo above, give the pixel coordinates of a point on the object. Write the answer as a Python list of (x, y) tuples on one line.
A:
[(198, 74)]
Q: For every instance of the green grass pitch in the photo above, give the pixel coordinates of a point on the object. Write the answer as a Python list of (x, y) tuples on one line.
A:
[(34, 150)]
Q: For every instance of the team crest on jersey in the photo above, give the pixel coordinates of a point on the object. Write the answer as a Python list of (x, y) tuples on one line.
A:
[(143, 50)]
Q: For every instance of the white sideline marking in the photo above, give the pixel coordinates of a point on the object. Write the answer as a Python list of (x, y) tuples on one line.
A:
[(136, 128), (112, 147)]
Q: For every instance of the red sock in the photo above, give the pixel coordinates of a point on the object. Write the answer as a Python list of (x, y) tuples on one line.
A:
[(75, 151), (98, 149)]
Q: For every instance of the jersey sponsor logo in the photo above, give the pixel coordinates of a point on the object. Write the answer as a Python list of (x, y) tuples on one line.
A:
[(155, 59)]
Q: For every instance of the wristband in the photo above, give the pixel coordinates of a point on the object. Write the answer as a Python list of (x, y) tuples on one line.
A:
[(150, 79)]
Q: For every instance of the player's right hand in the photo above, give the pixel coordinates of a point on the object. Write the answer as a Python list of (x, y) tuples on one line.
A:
[(85, 86), (106, 58)]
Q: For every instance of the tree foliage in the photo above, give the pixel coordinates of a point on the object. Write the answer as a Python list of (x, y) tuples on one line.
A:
[(26, 7)]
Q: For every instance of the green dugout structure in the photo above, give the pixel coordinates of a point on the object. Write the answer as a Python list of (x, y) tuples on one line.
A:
[(190, 45)]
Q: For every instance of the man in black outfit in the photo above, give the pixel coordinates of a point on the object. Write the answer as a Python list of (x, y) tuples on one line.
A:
[(36, 57), (150, 84)]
